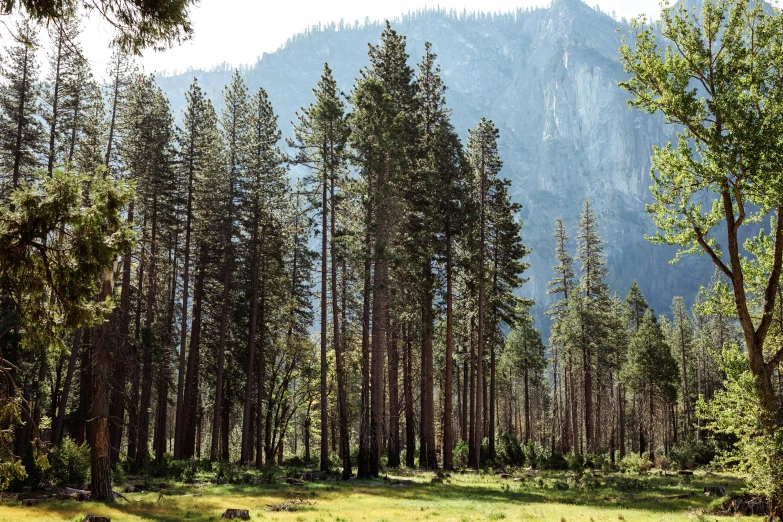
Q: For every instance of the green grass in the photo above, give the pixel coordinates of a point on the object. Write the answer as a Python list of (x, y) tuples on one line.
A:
[(464, 498)]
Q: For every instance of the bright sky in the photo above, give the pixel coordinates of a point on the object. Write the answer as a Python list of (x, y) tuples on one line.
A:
[(239, 31)]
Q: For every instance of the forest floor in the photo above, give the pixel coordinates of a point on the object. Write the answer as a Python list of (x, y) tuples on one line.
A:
[(414, 496)]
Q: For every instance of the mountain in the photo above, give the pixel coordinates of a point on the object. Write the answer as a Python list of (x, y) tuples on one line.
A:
[(548, 78)]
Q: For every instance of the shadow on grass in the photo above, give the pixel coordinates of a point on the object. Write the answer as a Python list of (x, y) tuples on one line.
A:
[(177, 505), (653, 494)]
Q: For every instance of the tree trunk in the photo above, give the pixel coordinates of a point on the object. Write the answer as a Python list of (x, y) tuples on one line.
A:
[(340, 347), (380, 305), (183, 336), (247, 417), (262, 368), (100, 445), (57, 430), (191, 393), (226, 426), (324, 325), (407, 379), (394, 409), (364, 426)]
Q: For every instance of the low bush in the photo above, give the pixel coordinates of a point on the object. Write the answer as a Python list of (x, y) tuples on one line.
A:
[(532, 455), (557, 462), (634, 463), (690, 454), (509, 451), (576, 462), (461, 452), (70, 463)]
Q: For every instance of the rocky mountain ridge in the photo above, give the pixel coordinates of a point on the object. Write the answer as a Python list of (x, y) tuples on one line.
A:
[(548, 78)]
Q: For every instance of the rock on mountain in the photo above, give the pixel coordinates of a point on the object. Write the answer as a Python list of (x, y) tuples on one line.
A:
[(548, 78)]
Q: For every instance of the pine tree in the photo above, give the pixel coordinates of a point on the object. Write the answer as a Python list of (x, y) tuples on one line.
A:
[(196, 144), (260, 193), (680, 338), (455, 209), (506, 253), (65, 62), (591, 256), (321, 136), (482, 153), (377, 137), (149, 156), (561, 286), (234, 121), (651, 372), (21, 133), (387, 92), (210, 200)]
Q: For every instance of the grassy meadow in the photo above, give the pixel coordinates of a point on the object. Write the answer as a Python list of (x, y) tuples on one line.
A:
[(466, 497)]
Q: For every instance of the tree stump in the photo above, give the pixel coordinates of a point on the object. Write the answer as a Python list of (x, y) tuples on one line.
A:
[(95, 518), (242, 514)]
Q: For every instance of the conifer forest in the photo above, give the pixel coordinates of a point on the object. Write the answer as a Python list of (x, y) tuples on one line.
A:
[(220, 295)]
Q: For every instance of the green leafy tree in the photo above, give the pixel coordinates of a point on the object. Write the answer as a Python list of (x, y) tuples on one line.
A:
[(138, 23), (60, 240), (726, 151), (718, 80), (751, 453)]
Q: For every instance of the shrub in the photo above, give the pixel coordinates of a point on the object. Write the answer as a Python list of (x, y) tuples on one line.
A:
[(70, 463), (576, 462), (690, 454), (600, 460), (531, 455), (227, 473), (758, 450), (634, 463), (189, 470), (509, 451), (557, 462), (461, 454)]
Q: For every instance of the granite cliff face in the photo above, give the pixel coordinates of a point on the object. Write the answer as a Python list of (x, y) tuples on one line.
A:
[(548, 78)]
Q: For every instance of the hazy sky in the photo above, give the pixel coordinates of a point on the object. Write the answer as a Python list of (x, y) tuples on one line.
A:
[(239, 31)]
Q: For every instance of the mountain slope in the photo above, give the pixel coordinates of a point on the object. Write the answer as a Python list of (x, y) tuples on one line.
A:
[(548, 78)]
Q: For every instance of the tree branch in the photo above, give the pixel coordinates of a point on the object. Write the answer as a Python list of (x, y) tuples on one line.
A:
[(774, 279)]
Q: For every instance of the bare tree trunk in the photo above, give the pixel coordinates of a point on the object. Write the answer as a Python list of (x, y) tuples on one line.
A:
[(364, 427), (247, 417), (379, 318), (407, 379), (394, 409), (99, 412), (57, 430), (191, 393), (324, 325), (262, 371), (472, 396), (183, 337)]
